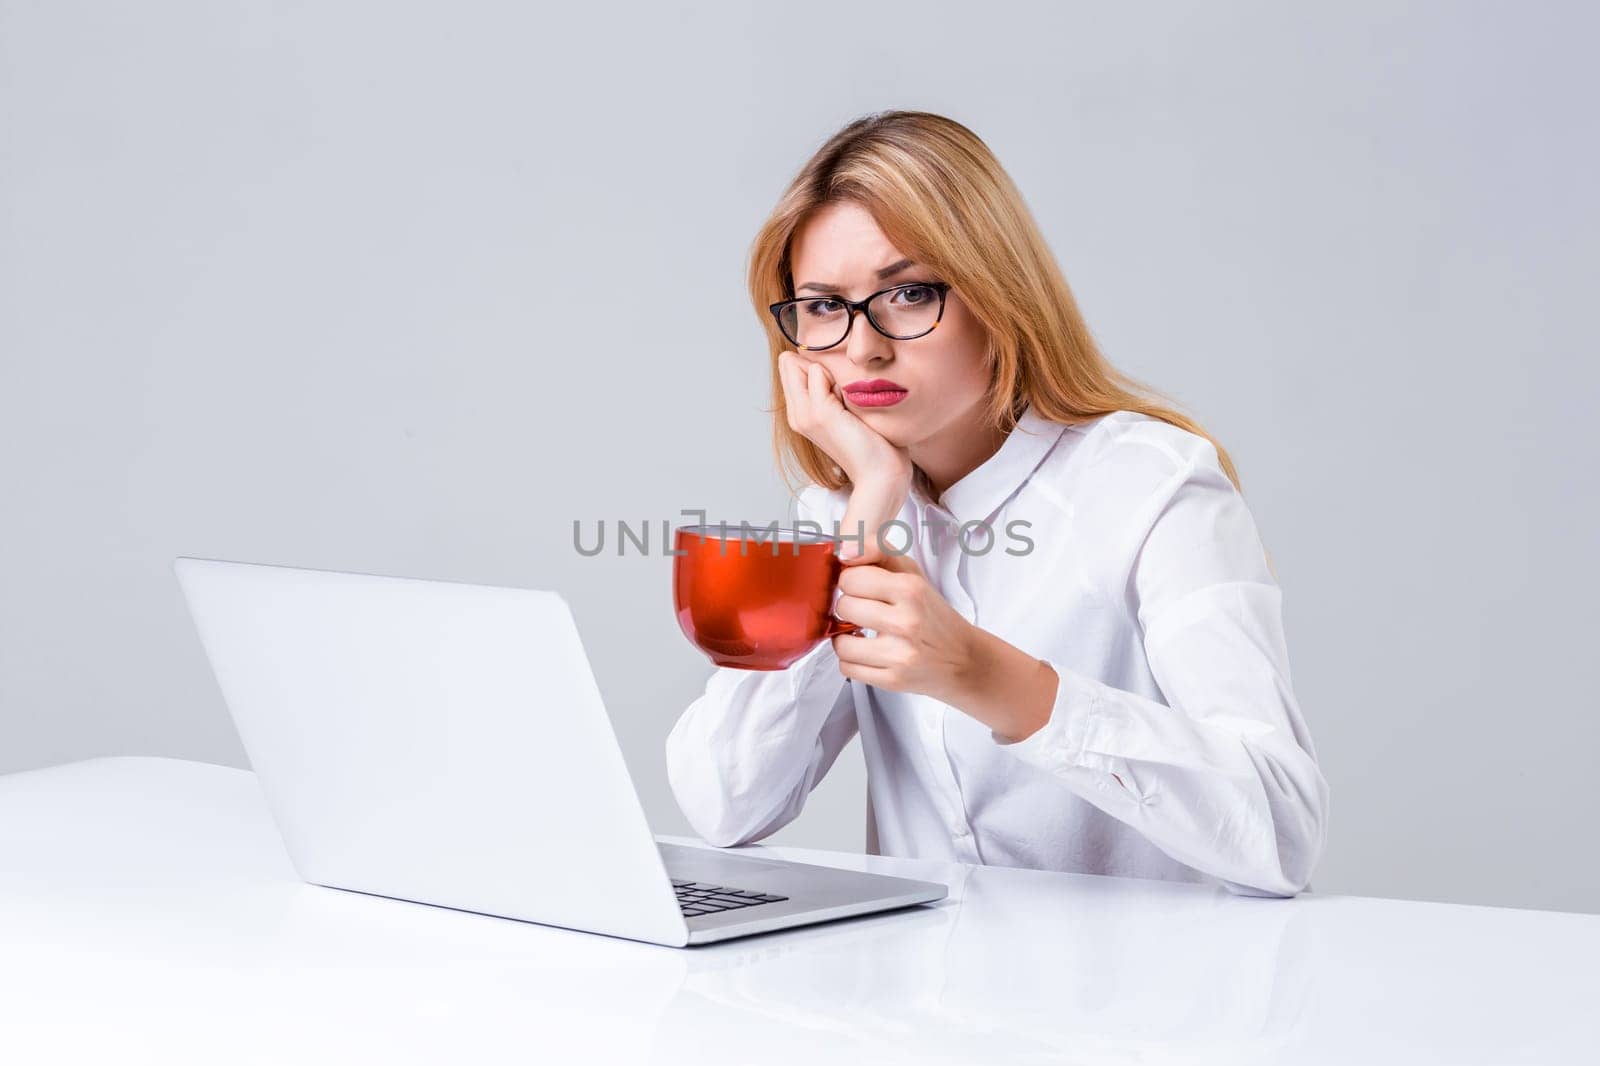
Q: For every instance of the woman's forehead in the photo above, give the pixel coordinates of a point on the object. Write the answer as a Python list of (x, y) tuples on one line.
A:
[(841, 243)]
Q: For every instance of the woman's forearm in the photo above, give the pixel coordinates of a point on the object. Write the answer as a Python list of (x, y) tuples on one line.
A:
[(871, 505), (995, 682), (1004, 687)]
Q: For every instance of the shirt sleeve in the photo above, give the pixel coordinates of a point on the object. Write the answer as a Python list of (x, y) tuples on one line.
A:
[(744, 756), (1222, 776)]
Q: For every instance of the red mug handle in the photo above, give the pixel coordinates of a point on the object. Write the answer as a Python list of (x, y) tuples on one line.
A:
[(838, 627)]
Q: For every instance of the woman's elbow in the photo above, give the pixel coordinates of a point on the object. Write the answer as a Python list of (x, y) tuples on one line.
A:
[(1283, 879), (1299, 832), (716, 823), (704, 798)]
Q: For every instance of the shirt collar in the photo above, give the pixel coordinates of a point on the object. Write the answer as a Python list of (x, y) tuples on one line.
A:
[(978, 495)]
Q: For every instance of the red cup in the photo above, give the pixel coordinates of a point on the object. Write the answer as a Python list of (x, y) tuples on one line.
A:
[(755, 598)]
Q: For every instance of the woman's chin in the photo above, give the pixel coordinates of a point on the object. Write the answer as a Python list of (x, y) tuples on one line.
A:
[(897, 435), (894, 423)]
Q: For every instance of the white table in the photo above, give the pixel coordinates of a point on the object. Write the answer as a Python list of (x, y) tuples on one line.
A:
[(149, 914)]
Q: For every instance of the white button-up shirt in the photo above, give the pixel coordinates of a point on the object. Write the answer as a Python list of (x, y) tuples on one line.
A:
[(1118, 552)]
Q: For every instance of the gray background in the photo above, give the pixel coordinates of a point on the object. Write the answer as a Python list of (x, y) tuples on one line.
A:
[(409, 290)]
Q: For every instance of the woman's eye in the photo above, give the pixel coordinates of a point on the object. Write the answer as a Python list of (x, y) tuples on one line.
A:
[(913, 294), (821, 308)]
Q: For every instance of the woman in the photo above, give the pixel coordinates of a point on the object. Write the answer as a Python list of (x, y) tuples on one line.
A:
[(1076, 659)]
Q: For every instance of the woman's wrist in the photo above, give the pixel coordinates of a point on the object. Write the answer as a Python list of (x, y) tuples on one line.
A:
[(887, 484), (872, 505), (1004, 687), (884, 470)]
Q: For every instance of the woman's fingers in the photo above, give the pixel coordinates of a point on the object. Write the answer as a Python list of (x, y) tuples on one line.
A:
[(869, 581), (816, 412), (786, 374), (792, 376), (879, 652), (876, 676), (819, 388), (869, 614), (808, 398)]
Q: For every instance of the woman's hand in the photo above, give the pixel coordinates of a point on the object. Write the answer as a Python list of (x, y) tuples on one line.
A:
[(922, 644), (817, 413), (879, 472)]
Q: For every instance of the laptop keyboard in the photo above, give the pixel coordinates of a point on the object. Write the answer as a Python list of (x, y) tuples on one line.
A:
[(695, 897)]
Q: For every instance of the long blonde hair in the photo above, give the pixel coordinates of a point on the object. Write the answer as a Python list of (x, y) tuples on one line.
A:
[(942, 198)]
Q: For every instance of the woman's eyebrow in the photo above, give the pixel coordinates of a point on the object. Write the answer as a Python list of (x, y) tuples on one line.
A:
[(887, 272)]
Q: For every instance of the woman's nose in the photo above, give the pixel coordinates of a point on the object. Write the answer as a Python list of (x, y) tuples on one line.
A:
[(865, 344)]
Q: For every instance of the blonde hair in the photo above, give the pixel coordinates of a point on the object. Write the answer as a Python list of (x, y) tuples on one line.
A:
[(941, 197)]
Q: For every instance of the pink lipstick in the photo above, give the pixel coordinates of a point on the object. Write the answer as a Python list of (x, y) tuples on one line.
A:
[(878, 392)]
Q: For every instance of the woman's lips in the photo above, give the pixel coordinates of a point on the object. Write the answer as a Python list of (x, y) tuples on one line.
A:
[(878, 392)]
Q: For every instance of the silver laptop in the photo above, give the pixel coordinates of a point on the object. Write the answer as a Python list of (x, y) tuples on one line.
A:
[(446, 744)]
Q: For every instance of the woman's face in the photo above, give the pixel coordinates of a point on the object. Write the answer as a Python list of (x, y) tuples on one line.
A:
[(840, 251)]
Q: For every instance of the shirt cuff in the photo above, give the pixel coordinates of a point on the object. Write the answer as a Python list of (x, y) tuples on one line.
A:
[(1063, 739), (804, 672)]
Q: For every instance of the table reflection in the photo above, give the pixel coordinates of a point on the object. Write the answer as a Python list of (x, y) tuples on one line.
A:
[(1114, 970)]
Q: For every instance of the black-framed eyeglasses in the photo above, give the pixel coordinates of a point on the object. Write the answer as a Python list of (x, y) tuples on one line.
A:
[(901, 313)]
